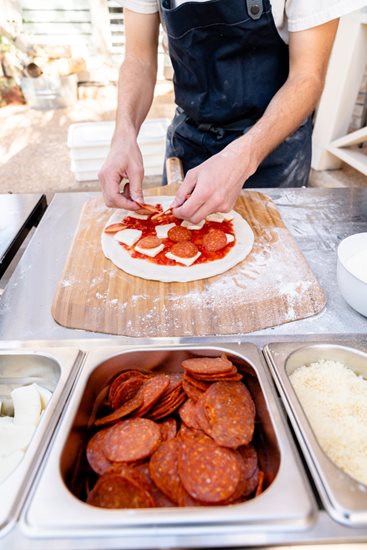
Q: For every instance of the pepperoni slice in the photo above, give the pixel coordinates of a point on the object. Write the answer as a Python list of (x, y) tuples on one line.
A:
[(95, 453), (229, 413), (168, 429), (117, 490), (119, 380), (114, 228), (125, 390), (160, 499), (251, 483), (191, 391), (131, 440), (168, 406), (127, 408), (149, 242), (208, 365), (185, 249), (230, 375), (179, 234), (249, 457), (188, 414), (151, 391), (214, 240), (145, 211), (209, 473), (260, 484), (164, 469), (202, 385), (249, 472)]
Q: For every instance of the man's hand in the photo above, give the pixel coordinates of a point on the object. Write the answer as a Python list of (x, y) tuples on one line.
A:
[(215, 184), (124, 162)]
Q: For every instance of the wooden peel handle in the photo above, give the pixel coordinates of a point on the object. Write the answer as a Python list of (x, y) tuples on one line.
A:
[(174, 171)]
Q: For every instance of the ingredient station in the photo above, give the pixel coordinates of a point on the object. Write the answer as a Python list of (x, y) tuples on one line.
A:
[(287, 488)]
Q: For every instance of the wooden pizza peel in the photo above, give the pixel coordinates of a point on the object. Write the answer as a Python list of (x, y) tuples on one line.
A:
[(272, 286)]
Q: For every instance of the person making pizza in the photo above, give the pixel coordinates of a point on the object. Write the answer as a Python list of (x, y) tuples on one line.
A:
[(247, 76)]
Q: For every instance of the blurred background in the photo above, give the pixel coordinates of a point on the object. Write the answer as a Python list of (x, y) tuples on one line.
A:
[(59, 66)]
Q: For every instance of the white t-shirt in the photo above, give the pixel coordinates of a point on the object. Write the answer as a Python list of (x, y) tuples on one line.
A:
[(289, 15)]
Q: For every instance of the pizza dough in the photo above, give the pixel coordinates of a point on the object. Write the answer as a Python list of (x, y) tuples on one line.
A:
[(176, 273)]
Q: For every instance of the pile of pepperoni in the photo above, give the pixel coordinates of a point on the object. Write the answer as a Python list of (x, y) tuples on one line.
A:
[(176, 439)]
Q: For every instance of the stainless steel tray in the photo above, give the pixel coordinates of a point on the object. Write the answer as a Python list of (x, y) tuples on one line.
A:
[(286, 503), (344, 498), (55, 370)]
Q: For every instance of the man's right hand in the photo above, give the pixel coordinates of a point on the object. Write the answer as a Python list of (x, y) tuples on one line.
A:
[(124, 162)]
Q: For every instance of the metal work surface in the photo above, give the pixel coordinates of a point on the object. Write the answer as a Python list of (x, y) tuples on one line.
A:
[(318, 219), (18, 214)]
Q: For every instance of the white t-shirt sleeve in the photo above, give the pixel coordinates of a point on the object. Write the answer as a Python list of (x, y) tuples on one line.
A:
[(305, 14), (140, 6)]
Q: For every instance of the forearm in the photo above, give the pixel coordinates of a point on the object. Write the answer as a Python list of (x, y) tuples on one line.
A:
[(285, 113), (309, 53), (135, 94)]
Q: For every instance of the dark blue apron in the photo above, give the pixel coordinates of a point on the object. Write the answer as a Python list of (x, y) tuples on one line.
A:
[(229, 61)]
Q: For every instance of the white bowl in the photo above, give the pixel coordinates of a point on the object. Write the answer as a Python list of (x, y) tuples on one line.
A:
[(352, 271)]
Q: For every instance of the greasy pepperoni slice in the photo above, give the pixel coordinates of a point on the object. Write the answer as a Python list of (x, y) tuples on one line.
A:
[(114, 228), (214, 240), (260, 484), (184, 499), (209, 473), (95, 453), (188, 414), (249, 457), (119, 380), (125, 390), (145, 211), (169, 405), (168, 429), (185, 249), (191, 391), (126, 408), (160, 499), (149, 242), (248, 479), (116, 490), (151, 391), (252, 483), (163, 469), (179, 234), (208, 365), (229, 412), (202, 385), (230, 375), (132, 439)]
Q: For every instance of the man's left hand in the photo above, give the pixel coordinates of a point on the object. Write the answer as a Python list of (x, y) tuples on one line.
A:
[(214, 185)]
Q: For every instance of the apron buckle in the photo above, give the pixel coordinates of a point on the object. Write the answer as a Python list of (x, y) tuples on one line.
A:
[(255, 9)]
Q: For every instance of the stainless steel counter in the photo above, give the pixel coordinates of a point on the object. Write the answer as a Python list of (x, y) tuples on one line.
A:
[(18, 214), (318, 219)]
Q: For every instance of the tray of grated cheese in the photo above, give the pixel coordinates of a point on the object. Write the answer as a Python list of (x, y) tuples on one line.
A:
[(324, 390)]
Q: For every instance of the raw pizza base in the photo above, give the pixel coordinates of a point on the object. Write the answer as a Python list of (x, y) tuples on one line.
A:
[(177, 273)]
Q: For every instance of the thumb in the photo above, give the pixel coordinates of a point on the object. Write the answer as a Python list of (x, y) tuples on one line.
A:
[(185, 189), (135, 184)]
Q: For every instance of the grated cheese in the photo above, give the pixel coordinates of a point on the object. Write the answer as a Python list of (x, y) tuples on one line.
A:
[(334, 400)]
